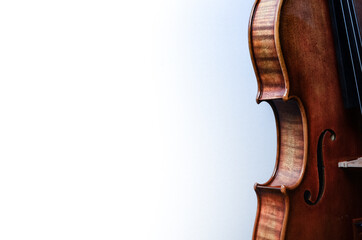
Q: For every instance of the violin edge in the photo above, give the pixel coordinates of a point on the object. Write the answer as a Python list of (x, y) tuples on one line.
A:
[(265, 46), (290, 117)]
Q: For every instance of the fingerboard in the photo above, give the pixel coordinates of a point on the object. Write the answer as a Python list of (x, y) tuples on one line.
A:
[(346, 23)]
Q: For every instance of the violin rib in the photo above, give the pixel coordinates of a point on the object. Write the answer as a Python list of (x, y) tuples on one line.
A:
[(265, 50), (294, 58)]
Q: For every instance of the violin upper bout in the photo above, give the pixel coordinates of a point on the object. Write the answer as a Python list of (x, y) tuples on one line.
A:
[(265, 50)]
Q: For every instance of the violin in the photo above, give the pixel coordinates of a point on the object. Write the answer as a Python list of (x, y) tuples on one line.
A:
[(308, 63)]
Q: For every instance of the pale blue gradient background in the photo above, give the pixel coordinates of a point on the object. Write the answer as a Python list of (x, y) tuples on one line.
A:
[(226, 142), (130, 120)]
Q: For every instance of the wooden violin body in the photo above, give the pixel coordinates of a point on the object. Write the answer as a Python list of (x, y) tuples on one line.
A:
[(308, 197)]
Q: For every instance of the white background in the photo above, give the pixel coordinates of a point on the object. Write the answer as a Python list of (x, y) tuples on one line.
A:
[(129, 120)]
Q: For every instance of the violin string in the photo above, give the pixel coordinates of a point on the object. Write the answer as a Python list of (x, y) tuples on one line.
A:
[(355, 29), (359, 45), (347, 35), (349, 43), (356, 23)]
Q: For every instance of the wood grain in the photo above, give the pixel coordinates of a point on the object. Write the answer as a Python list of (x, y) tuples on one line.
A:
[(292, 49)]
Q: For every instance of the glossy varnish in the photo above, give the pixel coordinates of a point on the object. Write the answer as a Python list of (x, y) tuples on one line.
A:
[(308, 196)]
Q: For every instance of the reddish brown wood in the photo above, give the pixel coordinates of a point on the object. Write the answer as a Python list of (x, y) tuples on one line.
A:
[(292, 49)]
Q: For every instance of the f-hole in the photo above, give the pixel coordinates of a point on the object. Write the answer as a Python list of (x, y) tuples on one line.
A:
[(320, 164)]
